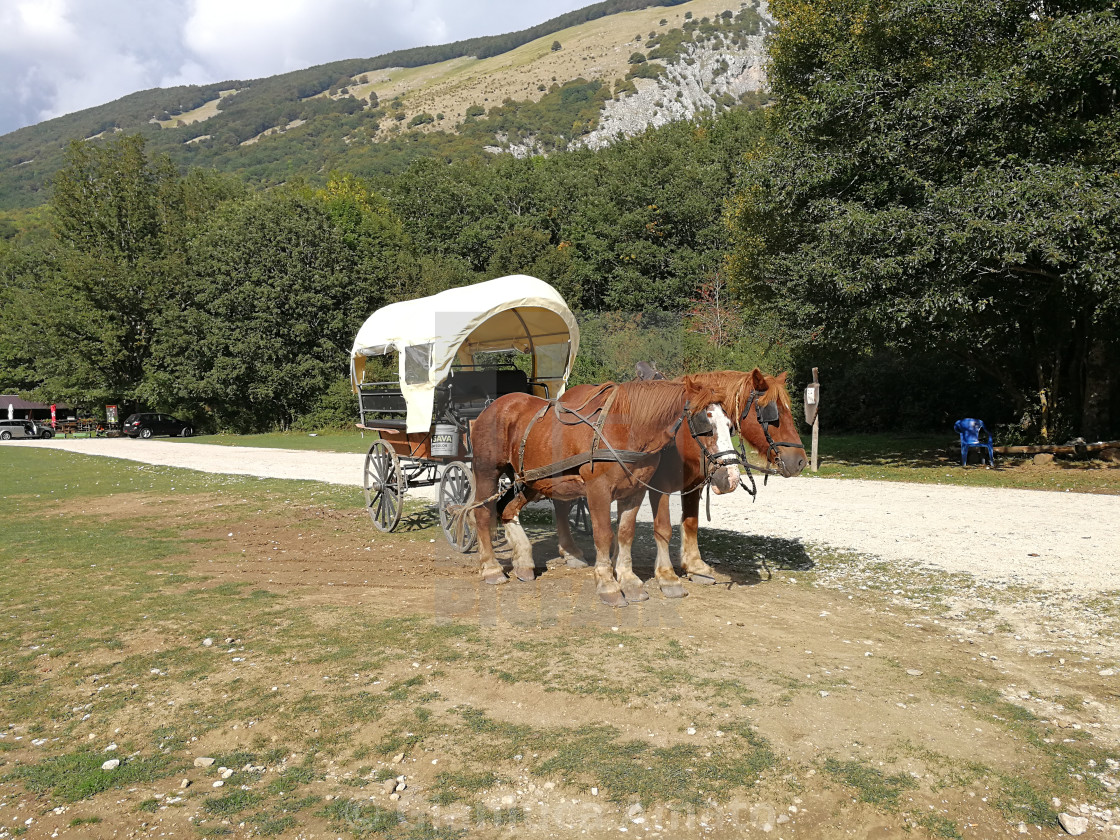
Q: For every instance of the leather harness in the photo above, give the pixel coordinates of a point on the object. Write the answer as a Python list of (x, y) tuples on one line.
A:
[(595, 452)]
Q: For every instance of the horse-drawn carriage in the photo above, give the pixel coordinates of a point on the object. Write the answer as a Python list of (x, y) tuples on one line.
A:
[(456, 352), (605, 443)]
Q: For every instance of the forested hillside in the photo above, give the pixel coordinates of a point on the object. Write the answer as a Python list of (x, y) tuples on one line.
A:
[(237, 306), (373, 116)]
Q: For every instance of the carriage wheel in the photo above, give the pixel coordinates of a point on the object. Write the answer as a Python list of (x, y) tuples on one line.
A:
[(456, 492), (579, 517), (384, 486)]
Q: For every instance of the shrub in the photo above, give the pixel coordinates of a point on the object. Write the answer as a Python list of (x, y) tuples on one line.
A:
[(649, 70), (624, 86), (556, 46), (335, 409)]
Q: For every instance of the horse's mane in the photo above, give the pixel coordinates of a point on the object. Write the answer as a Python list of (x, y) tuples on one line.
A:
[(733, 388), (661, 401), (775, 390)]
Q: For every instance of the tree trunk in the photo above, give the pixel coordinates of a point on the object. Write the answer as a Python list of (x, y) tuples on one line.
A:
[(1096, 421)]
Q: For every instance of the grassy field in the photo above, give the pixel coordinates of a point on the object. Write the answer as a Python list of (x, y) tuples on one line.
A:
[(157, 616), (935, 459)]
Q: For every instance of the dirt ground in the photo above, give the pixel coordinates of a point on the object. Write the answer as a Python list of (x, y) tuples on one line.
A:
[(1065, 542), (866, 643), (892, 700)]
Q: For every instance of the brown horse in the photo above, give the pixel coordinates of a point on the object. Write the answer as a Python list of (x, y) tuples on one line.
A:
[(545, 447), (716, 463), (760, 406)]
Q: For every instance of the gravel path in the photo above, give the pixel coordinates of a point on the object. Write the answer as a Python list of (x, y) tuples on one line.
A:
[(1063, 541)]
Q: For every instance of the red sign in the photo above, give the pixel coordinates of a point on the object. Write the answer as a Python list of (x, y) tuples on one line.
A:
[(54, 416)]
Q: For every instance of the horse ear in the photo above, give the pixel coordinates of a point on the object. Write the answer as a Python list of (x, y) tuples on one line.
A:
[(781, 377), (698, 395), (758, 380)]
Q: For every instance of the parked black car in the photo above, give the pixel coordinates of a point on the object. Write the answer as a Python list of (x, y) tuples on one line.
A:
[(146, 424)]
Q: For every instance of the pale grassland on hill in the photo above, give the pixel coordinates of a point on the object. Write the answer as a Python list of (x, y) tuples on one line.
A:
[(274, 130), (203, 112), (598, 49)]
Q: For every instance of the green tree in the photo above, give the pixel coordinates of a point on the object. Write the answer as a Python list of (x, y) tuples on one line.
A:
[(107, 200), (943, 174), (86, 305), (278, 286)]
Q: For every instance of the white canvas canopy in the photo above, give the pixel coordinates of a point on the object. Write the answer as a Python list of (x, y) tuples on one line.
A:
[(510, 313)]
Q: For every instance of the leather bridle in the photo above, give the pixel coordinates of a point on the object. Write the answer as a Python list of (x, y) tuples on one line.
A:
[(766, 415)]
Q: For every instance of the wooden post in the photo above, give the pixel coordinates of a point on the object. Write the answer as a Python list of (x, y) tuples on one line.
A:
[(812, 414), (816, 424)]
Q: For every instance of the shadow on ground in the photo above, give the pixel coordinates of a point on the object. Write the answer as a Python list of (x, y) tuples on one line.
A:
[(745, 559)]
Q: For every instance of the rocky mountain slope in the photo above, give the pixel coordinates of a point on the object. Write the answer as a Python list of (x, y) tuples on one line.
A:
[(709, 76)]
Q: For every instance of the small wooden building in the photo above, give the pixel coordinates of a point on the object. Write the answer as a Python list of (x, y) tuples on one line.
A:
[(22, 409)]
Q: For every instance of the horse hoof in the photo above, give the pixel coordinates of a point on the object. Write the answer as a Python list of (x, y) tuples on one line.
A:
[(673, 590), (495, 578), (526, 575), (576, 562), (613, 599), (635, 594), (705, 580)]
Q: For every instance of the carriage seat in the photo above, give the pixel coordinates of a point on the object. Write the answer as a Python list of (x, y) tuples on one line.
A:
[(473, 390), (382, 407), (969, 430)]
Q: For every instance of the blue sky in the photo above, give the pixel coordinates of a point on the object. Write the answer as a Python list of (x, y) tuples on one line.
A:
[(60, 56)]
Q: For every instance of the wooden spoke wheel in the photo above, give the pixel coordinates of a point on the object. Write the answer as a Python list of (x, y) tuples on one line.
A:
[(384, 486), (579, 517), (456, 493)]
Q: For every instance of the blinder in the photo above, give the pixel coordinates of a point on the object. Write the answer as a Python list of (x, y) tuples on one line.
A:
[(700, 424), (768, 413)]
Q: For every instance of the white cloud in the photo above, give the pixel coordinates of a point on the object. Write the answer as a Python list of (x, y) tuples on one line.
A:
[(255, 38), (60, 56)]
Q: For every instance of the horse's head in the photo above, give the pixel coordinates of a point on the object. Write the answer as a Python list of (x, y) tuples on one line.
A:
[(766, 421), (710, 426)]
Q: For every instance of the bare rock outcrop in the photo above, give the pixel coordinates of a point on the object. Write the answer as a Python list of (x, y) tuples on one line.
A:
[(710, 76)]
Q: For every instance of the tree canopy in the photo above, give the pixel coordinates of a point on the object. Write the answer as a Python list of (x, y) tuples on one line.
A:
[(944, 175), (190, 293)]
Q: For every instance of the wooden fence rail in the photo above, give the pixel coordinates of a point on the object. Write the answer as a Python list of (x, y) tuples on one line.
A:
[(1059, 449)]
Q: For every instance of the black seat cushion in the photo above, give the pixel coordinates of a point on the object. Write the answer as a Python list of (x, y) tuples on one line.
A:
[(474, 386)]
